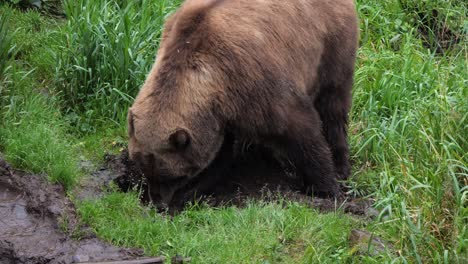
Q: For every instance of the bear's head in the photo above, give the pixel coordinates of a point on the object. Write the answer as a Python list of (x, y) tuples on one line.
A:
[(174, 131)]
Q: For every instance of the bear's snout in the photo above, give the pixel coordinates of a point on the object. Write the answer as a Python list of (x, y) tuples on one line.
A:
[(146, 163)]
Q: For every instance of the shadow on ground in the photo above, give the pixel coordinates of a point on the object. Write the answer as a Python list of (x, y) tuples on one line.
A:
[(253, 176)]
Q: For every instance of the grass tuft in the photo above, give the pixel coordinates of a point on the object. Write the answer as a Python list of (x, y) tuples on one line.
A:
[(109, 48), (408, 134), (6, 44), (260, 233), (33, 134)]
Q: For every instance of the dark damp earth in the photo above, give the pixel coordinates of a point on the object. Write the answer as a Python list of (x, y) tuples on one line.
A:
[(254, 175), (38, 224)]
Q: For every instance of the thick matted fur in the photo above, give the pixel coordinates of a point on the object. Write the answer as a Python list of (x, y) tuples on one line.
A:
[(274, 72)]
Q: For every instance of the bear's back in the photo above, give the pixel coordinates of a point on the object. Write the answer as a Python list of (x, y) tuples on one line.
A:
[(251, 38)]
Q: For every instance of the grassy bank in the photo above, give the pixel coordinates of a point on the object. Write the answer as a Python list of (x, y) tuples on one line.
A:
[(409, 128), (65, 86), (260, 233), (33, 132)]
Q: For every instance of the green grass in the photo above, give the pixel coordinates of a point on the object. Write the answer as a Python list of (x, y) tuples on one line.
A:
[(407, 133), (33, 134), (5, 44), (259, 233), (409, 136), (110, 47)]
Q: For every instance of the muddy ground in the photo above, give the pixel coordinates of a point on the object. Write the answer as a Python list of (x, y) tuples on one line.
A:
[(39, 224), (253, 175)]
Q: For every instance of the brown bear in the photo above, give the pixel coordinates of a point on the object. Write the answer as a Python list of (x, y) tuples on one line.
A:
[(274, 72)]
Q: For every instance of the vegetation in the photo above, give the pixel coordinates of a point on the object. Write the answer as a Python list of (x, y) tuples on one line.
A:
[(109, 48), (33, 133), (48, 7), (260, 233), (65, 86)]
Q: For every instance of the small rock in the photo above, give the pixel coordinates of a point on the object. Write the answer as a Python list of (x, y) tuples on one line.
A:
[(362, 207), (372, 213), (80, 258), (177, 259), (365, 243)]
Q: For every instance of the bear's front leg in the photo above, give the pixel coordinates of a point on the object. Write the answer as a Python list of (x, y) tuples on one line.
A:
[(213, 176)]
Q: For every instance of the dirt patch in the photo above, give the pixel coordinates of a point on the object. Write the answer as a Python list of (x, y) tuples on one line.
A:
[(37, 224), (252, 176)]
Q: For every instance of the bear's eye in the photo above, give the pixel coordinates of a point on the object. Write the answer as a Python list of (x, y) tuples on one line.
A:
[(180, 139)]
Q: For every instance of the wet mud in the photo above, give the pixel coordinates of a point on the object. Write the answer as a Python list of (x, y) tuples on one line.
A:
[(38, 224)]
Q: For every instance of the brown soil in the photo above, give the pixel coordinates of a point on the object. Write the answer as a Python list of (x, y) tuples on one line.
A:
[(37, 224), (253, 176)]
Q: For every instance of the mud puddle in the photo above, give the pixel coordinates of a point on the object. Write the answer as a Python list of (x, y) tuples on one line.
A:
[(252, 176), (37, 223)]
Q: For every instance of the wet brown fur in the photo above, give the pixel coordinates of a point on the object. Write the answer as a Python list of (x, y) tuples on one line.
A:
[(275, 72)]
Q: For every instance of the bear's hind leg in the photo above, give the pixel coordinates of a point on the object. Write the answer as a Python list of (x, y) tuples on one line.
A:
[(304, 145), (333, 105)]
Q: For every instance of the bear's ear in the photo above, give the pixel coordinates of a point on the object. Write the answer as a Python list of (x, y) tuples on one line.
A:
[(131, 127), (180, 139)]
